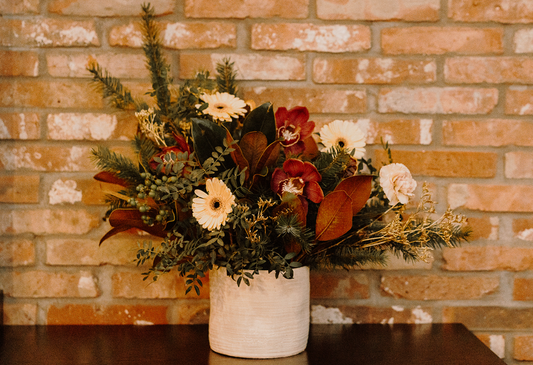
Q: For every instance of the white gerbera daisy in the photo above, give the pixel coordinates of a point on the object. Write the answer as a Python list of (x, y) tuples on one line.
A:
[(211, 210), (344, 134), (223, 106)]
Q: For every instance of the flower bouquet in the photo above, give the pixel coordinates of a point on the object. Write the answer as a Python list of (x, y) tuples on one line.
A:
[(226, 184)]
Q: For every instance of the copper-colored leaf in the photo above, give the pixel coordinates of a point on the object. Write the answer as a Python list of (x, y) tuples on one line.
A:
[(358, 188), (108, 177), (252, 146), (131, 218), (269, 156), (113, 232), (238, 157), (334, 216)]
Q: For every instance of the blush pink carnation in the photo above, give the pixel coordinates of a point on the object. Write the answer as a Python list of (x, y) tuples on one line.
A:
[(397, 183)]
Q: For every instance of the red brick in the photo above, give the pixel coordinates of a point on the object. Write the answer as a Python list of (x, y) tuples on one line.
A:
[(365, 314), (518, 11), (495, 342), (48, 94), (109, 8), (48, 33), (484, 228), (434, 287), (489, 317), (373, 71), (519, 101), (425, 10), (120, 65), (39, 158), (519, 165), (48, 221), (19, 189), (523, 348), (247, 9), (19, 7), (20, 126), (487, 132), (339, 285), (43, 284), (91, 126), (71, 191), (13, 63), (118, 250), (94, 314), (179, 35), (190, 312), (248, 66), (434, 100), (317, 100), (310, 37), (523, 229), (19, 252), (445, 163), (523, 289), (20, 314), (487, 258), (491, 198), (492, 70), (441, 40), (394, 131), (523, 41), (130, 284)]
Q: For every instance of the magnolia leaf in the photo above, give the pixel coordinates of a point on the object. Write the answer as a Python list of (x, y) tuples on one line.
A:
[(238, 157), (358, 188), (269, 157), (252, 146), (261, 119), (334, 216), (292, 204), (207, 137), (131, 218), (113, 232), (111, 178)]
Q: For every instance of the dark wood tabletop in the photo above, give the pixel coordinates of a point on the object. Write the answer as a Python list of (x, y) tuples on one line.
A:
[(376, 344)]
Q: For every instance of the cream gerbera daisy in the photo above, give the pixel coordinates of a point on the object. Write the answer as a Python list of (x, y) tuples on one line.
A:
[(223, 106), (211, 210), (344, 134)]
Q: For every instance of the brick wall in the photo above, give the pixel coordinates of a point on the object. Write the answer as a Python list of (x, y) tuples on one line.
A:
[(447, 82)]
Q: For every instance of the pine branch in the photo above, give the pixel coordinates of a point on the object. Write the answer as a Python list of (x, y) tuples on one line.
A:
[(122, 167), (226, 77), (111, 88), (159, 69)]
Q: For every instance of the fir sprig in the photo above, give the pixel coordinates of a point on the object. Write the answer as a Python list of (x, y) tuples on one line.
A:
[(112, 89), (226, 77), (158, 67), (121, 166)]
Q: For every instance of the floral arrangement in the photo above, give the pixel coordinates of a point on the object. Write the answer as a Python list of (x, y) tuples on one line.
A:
[(227, 184)]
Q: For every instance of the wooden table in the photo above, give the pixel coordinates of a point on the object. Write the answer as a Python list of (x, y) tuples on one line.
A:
[(376, 344)]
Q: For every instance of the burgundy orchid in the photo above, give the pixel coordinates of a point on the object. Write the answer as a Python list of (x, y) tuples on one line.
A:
[(299, 178), (293, 127)]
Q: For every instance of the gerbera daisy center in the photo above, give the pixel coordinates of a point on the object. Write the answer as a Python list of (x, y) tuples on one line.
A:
[(216, 204)]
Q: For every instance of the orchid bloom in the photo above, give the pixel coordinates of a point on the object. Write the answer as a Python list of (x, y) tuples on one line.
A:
[(293, 126), (298, 178)]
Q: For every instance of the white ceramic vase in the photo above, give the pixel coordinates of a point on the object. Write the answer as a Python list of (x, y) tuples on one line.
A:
[(268, 319)]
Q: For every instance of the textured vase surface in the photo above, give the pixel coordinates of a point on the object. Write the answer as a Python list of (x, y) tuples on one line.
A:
[(268, 319)]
